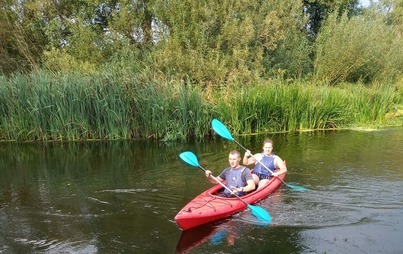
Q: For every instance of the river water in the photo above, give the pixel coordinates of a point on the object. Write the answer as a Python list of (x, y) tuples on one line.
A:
[(121, 197)]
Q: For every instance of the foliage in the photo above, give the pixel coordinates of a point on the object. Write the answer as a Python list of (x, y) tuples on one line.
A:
[(21, 42), (357, 49), (219, 42), (162, 69), (280, 107), (291, 57), (318, 11), (209, 44), (44, 106)]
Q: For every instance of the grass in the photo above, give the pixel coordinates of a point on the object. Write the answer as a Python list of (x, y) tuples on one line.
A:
[(50, 107)]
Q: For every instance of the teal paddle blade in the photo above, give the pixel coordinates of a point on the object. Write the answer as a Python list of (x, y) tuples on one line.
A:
[(218, 237), (260, 213), (297, 188), (190, 158), (221, 129)]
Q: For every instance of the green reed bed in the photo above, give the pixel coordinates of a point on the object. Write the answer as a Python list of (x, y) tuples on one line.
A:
[(296, 107), (371, 105), (279, 108), (46, 106), (169, 111)]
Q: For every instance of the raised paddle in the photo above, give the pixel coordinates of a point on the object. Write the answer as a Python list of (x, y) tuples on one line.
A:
[(191, 159), (222, 130)]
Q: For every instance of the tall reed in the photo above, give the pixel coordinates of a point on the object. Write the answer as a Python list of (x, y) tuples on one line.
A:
[(46, 106), (283, 107)]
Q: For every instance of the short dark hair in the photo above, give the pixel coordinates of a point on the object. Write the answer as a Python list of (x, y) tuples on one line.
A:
[(236, 152)]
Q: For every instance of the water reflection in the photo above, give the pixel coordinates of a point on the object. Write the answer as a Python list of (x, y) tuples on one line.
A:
[(222, 233), (85, 197), (103, 197)]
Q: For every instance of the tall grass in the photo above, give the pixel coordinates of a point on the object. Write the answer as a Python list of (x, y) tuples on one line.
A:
[(45, 106), (371, 105), (282, 107), (170, 111)]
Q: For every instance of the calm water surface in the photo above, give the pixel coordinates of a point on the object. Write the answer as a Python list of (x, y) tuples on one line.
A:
[(121, 197)]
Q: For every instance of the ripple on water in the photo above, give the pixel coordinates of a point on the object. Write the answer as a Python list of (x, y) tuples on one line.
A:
[(351, 201), (54, 246), (138, 200)]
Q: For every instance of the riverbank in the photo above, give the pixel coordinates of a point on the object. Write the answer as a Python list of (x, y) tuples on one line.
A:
[(50, 107)]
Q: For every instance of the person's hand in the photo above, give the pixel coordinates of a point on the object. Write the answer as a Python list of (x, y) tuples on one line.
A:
[(275, 174), (236, 190), (248, 153), (208, 173)]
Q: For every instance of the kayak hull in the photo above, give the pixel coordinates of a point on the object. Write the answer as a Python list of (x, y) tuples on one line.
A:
[(208, 207)]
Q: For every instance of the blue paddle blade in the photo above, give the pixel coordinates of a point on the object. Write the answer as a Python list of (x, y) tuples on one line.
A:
[(260, 213), (190, 158), (218, 237), (221, 129), (297, 188)]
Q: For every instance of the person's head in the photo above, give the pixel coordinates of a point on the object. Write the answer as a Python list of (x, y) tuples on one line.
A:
[(234, 158), (267, 146)]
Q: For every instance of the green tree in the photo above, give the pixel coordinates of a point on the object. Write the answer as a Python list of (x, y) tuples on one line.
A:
[(357, 48), (221, 42), (21, 41), (319, 10), (292, 56)]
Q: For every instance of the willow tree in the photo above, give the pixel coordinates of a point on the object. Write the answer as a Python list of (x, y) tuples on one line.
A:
[(292, 56), (395, 18), (21, 41), (318, 10), (80, 33), (358, 48), (71, 33), (215, 42)]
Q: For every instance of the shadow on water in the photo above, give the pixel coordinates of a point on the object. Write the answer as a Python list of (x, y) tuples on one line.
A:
[(121, 197)]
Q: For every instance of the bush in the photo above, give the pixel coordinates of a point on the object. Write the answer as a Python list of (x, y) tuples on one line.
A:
[(349, 50)]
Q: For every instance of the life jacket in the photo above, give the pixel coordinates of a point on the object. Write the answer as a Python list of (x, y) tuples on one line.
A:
[(234, 179), (268, 161)]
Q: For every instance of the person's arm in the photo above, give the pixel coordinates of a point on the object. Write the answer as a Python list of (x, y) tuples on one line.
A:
[(281, 166), (249, 187), (248, 159), (211, 180)]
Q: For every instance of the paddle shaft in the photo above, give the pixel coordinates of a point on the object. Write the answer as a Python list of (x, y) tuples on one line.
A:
[(223, 185)]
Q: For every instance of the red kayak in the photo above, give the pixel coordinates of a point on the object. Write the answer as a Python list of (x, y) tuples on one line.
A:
[(207, 207)]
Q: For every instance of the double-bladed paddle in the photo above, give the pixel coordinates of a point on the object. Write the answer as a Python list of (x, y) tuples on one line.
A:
[(191, 159), (222, 130)]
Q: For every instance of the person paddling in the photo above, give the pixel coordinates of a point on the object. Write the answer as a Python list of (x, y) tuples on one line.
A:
[(261, 175), (238, 178)]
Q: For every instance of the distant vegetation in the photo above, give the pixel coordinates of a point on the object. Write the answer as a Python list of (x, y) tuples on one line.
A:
[(124, 69)]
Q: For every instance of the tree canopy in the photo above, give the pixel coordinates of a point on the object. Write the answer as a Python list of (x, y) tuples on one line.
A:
[(211, 43)]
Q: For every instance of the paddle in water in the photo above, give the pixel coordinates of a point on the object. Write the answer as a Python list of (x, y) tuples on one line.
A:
[(260, 213), (223, 131)]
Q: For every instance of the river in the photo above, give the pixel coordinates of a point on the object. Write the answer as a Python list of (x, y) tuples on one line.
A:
[(122, 196)]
